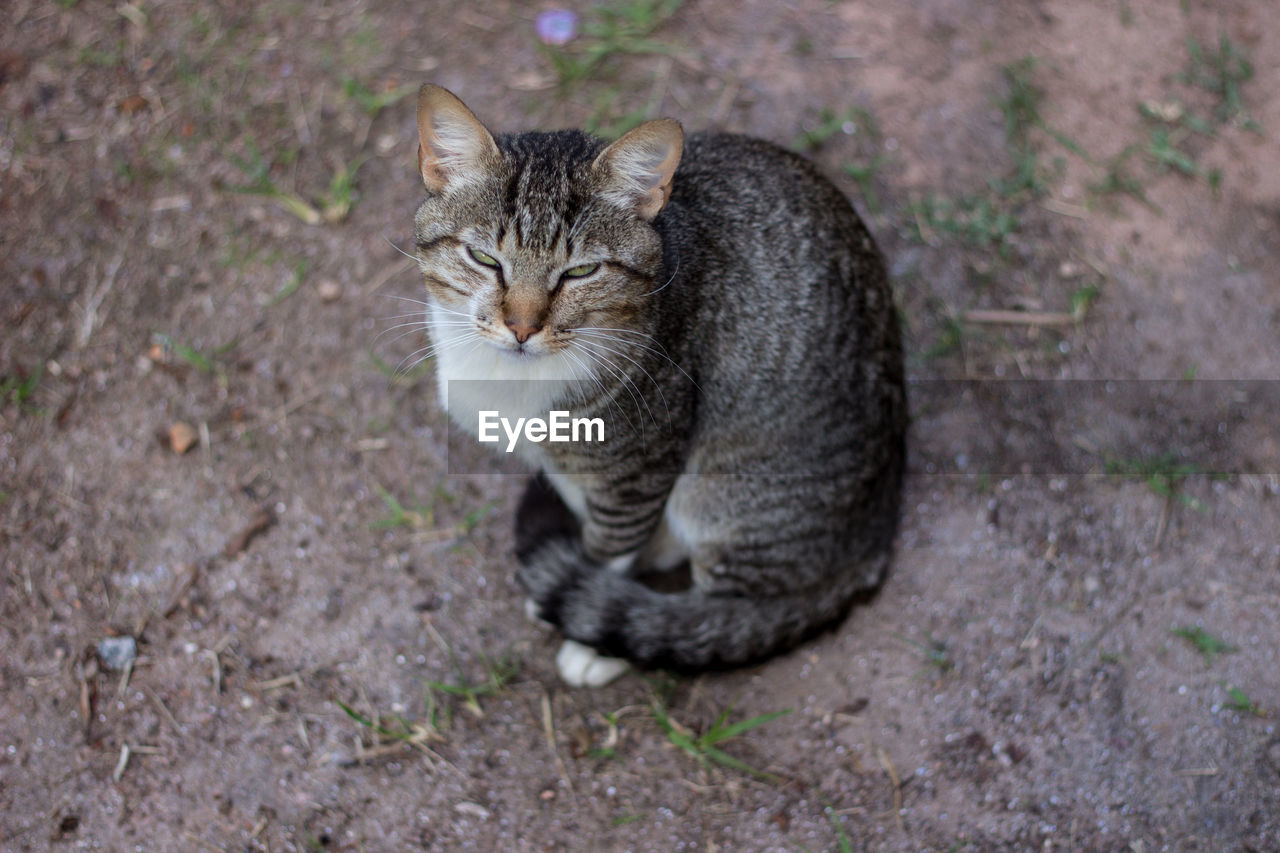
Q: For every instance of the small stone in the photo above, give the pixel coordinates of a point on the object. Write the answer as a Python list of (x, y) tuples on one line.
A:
[(472, 809), (329, 290), (182, 437), (117, 652)]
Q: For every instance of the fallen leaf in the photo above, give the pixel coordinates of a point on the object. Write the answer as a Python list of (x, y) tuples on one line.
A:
[(261, 522), (12, 66), (132, 104)]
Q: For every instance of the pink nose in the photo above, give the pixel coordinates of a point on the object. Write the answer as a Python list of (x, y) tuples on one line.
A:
[(523, 331)]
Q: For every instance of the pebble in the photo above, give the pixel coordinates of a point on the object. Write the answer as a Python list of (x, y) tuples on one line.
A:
[(117, 652), (182, 437), (329, 290)]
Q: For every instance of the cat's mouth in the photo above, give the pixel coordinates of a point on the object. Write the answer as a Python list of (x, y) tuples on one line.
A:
[(522, 350)]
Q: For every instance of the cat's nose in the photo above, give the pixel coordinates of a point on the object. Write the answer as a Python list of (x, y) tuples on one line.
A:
[(523, 330)]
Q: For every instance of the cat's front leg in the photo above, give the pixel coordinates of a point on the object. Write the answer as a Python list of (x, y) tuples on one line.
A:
[(619, 523)]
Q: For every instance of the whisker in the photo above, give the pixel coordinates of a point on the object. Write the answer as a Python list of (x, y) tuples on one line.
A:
[(628, 384), (610, 398), (604, 391), (421, 302), (590, 374), (390, 243), (419, 325), (660, 351), (433, 349), (385, 332), (656, 386), (428, 306), (669, 280)]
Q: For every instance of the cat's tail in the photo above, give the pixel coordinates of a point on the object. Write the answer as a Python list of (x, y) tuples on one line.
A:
[(690, 630)]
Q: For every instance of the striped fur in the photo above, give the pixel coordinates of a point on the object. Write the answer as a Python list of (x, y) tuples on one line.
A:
[(739, 337)]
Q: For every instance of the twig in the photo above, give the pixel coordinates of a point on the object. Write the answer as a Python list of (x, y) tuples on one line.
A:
[(996, 316), (261, 522), (155, 697), (302, 732), (123, 685), (207, 845), (366, 753), (93, 301), (548, 729), (1164, 521), (217, 671), (187, 574), (86, 705), (926, 233), (1063, 209), (206, 444), (121, 764), (887, 764), (282, 414), (293, 678), (724, 103)]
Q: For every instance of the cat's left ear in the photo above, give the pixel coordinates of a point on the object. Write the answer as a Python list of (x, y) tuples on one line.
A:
[(638, 168)]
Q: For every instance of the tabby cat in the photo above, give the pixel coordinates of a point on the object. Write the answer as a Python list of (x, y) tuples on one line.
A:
[(720, 305)]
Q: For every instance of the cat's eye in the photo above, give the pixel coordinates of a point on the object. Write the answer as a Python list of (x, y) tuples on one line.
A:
[(581, 270), (485, 260)]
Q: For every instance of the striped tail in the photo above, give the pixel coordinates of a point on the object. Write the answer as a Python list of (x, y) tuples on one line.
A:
[(687, 631)]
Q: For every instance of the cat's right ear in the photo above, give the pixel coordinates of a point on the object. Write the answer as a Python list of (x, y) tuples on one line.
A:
[(639, 167), (454, 148)]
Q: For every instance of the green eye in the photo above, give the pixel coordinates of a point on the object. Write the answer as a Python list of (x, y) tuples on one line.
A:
[(481, 258), (581, 270)]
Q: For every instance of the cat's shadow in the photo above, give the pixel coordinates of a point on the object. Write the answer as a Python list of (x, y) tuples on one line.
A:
[(541, 515)]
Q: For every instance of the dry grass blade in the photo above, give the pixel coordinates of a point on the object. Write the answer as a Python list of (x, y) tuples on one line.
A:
[(1003, 317), (896, 782)]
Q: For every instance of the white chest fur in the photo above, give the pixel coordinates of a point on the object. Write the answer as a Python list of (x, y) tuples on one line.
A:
[(475, 376)]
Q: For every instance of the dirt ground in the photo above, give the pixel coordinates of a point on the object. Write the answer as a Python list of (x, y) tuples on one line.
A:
[(1077, 647)]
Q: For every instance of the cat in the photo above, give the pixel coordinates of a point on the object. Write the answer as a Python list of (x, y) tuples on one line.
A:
[(720, 304)]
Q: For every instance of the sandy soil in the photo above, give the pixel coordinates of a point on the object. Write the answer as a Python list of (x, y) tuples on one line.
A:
[(1077, 647)]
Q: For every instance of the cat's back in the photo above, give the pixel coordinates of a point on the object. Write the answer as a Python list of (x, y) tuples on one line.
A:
[(774, 258), (743, 180)]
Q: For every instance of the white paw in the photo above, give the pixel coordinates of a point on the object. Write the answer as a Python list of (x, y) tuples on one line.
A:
[(583, 666), (534, 612), (623, 563)]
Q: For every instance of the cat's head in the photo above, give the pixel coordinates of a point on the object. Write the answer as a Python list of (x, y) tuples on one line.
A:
[(536, 236)]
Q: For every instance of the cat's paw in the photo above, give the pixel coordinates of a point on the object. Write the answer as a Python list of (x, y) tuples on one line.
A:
[(583, 666), (534, 612), (623, 563)]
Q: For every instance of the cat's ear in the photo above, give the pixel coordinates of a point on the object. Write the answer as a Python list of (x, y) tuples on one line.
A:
[(453, 146), (637, 169)]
